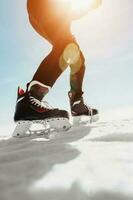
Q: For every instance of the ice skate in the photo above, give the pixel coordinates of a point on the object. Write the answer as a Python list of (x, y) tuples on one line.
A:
[(31, 109), (81, 113)]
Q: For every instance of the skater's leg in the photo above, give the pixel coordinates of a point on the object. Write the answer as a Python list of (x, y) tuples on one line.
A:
[(54, 64), (77, 75), (51, 67), (57, 61), (38, 26), (78, 107)]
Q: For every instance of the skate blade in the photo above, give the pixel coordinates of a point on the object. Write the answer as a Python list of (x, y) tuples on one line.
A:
[(83, 119), (58, 124), (28, 128), (22, 129)]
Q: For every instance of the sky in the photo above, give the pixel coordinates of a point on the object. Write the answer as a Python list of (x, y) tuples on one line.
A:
[(106, 39)]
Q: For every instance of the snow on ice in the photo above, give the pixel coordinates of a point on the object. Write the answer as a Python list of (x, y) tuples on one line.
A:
[(88, 162)]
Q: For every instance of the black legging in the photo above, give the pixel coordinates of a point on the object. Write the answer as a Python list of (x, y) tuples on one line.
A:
[(50, 68)]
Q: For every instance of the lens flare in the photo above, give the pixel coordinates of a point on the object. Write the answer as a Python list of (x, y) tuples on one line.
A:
[(71, 53)]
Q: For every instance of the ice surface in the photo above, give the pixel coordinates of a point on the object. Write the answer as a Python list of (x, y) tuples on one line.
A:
[(87, 162)]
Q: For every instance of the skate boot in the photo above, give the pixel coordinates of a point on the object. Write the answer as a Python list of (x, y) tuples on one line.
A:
[(31, 109), (80, 111)]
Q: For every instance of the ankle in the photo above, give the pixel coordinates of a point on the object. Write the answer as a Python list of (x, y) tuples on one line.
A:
[(37, 89), (73, 95)]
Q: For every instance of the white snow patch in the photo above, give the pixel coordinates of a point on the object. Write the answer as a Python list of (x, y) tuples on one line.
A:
[(89, 162), (105, 162)]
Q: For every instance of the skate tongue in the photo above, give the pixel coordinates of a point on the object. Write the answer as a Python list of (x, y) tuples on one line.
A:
[(20, 91), (37, 89)]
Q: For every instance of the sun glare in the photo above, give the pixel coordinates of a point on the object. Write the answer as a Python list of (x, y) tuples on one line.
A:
[(80, 4)]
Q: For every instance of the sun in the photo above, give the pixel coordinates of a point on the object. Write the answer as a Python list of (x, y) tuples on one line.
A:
[(81, 5), (78, 5)]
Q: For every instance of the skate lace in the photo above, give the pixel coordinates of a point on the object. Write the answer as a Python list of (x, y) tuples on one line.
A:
[(89, 108), (39, 104)]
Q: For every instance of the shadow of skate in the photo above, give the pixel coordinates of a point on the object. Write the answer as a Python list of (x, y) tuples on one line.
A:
[(114, 137), (108, 195), (25, 161)]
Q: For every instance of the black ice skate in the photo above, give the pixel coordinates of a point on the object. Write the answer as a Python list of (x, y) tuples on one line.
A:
[(31, 109), (79, 109)]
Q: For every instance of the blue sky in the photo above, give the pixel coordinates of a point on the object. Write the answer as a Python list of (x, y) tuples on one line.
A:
[(106, 38)]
